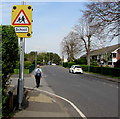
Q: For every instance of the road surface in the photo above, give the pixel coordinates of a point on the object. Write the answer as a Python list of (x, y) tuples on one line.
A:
[(95, 97)]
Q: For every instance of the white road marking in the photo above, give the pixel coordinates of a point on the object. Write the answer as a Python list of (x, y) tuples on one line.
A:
[(111, 85), (80, 112)]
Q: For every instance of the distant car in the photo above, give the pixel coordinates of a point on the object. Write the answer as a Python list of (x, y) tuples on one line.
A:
[(76, 69), (53, 64)]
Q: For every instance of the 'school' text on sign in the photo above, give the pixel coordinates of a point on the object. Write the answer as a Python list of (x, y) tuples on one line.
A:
[(22, 20), (21, 29)]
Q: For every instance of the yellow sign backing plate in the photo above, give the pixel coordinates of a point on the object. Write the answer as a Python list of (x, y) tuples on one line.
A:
[(22, 20)]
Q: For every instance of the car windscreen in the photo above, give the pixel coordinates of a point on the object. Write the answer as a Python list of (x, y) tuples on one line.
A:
[(77, 66)]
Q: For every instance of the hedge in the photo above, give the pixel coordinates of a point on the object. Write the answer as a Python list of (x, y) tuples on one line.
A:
[(102, 70), (65, 64), (96, 69), (31, 68), (70, 64), (26, 71), (16, 71), (27, 64)]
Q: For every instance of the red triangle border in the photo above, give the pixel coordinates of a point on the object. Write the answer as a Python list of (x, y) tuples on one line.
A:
[(25, 16)]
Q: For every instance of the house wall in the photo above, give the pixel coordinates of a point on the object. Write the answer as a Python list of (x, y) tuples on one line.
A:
[(110, 58), (114, 58), (118, 54)]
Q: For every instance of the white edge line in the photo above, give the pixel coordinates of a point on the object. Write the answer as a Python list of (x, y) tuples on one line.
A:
[(80, 113)]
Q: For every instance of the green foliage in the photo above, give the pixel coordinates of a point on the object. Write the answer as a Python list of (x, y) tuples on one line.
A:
[(93, 62), (102, 70), (43, 58), (31, 68), (65, 64), (27, 64), (30, 57), (9, 57), (9, 51), (84, 67), (39, 62), (56, 59), (17, 65), (81, 60), (16, 71), (70, 64)]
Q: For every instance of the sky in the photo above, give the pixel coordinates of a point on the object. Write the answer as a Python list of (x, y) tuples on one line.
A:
[(52, 21)]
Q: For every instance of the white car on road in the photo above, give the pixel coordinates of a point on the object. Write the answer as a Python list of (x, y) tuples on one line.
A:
[(76, 69)]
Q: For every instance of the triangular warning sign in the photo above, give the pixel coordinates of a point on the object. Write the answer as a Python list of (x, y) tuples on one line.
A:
[(21, 19)]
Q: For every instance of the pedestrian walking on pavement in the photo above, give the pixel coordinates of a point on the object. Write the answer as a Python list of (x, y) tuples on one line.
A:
[(38, 75)]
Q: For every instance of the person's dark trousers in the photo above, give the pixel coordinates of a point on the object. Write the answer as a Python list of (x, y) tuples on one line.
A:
[(37, 81)]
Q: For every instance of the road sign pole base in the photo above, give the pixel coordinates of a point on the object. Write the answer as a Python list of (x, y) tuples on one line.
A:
[(20, 106), (20, 93)]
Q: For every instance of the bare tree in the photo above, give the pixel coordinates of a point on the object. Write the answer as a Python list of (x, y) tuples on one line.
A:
[(85, 33), (106, 17), (70, 46)]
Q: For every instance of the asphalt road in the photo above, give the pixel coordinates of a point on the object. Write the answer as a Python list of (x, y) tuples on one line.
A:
[(95, 97)]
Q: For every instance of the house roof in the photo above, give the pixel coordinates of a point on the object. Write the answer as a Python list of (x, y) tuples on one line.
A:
[(101, 51)]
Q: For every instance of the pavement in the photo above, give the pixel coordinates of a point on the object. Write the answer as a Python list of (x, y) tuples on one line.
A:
[(43, 102)]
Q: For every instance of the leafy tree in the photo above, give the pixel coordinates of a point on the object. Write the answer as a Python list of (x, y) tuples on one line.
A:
[(56, 58), (9, 52), (30, 56), (9, 58), (43, 57)]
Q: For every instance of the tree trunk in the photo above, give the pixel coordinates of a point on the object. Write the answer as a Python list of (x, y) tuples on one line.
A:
[(88, 51)]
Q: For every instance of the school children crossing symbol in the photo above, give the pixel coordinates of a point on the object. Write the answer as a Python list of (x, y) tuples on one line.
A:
[(21, 19)]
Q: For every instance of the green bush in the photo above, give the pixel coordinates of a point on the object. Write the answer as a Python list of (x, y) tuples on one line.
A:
[(116, 72), (16, 71), (95, 69), (106, 70), (27, 64), (92, 62), (9, 52), (39, 62), (81, 60), (17, 65), (102, 70), (31, 68), (9, 57), (70, 64), (65, 64), (84, 67)]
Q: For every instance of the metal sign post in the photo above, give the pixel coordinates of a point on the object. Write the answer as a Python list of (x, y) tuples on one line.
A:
[(22, 23), (21, 74)]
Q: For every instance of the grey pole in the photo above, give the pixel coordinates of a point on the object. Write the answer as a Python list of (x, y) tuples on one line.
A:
[(21, 75)]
